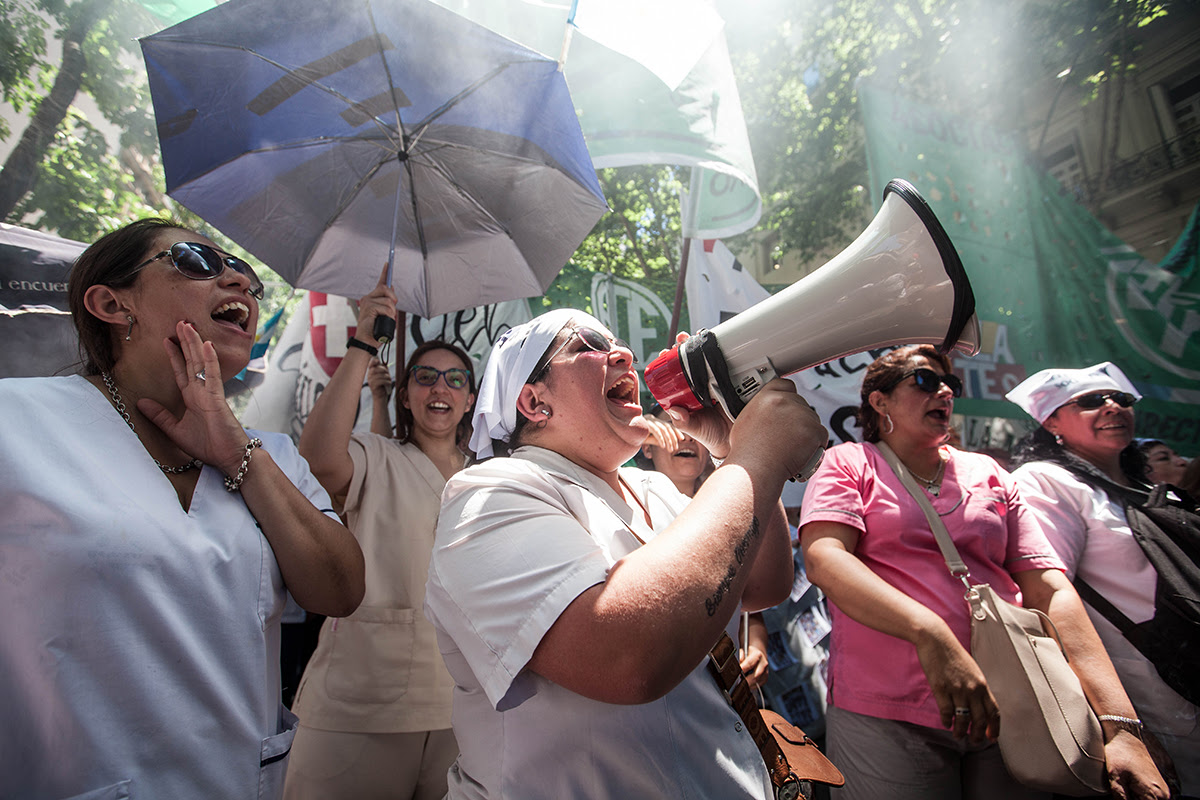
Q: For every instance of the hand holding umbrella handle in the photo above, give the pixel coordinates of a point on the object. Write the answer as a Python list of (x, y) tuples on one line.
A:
[(384, 329)]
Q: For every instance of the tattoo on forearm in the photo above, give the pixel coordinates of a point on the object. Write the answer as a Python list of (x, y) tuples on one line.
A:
[(739, 553)]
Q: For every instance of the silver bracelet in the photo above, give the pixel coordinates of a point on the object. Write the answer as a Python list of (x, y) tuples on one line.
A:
[(235, 483), (1130, 724)]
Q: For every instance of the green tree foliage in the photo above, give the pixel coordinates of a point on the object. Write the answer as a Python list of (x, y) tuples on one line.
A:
[(799, 65), (61, 169)]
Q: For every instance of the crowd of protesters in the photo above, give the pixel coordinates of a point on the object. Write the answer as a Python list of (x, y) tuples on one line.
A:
[(510, 610)]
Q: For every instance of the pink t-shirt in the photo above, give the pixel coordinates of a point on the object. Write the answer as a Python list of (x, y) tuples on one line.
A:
[(879, 675)]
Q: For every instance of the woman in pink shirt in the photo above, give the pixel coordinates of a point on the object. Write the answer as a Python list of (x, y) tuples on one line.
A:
[(910, 713)]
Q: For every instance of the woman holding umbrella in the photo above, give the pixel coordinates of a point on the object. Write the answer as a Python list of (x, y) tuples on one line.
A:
[(374, 703), (576, 602), (148, 539)]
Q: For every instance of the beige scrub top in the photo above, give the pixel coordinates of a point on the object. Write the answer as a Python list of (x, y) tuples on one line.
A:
[(379, 670)]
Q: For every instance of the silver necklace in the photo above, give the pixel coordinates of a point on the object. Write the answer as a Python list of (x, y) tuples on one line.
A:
[(932, 485), (195, 463)]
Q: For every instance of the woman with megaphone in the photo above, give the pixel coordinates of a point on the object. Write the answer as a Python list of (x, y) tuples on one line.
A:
[(576, 601), (910, 712)]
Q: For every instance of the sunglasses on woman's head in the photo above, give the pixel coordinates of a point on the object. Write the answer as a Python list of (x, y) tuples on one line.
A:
[(929, 381), (592, 339), (456, 378), (203, 263), (1094, 401)]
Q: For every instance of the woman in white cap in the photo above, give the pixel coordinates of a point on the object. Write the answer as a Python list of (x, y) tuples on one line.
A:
[(1075, 471), (576, 601)]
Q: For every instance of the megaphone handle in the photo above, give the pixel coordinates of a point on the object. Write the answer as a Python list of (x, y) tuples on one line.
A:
[(384, 329)]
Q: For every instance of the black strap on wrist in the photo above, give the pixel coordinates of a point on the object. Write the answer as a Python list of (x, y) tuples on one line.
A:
[(361, 345)]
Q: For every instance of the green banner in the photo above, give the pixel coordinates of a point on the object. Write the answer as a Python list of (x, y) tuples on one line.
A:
[(630, 117), (173, 11), (1053, 287)]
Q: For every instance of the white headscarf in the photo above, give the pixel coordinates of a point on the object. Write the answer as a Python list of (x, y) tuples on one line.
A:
[(1043, 393), (512, 359)]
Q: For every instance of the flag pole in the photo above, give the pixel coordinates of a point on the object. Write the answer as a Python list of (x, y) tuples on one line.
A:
[(398, 347), (678, 307), (566, 44), (688, 228)]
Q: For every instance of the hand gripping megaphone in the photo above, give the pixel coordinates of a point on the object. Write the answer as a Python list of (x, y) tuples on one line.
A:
[(899, 282)]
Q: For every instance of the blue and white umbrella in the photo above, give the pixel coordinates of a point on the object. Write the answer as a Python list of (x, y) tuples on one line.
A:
[(328, 138)]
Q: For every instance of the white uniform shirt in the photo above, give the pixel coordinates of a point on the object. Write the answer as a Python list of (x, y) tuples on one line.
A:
[(139, 643), (1091, 535), (518, 540)]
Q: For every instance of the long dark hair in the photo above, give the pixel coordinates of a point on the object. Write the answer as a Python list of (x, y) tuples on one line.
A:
[(883, 375), (404, 417), (1040, 445), (109, 261)]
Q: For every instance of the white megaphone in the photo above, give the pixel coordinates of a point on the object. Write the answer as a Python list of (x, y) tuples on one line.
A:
[(900, 282)]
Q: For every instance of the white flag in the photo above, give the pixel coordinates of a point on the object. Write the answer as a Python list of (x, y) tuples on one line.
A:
[(717, 285), (667, 37)]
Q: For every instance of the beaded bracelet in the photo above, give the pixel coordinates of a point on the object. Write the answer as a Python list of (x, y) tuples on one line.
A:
[(235, 483)]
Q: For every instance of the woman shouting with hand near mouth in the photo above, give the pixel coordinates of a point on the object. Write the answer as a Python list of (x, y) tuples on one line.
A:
[(147, 540)]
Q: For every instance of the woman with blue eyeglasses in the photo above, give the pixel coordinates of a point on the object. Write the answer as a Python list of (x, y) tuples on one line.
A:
[(1078, 470), (910, 713), (147, 541), (374, 702)]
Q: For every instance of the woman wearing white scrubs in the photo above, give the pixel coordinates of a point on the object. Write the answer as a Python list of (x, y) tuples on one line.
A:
[(576, 601), (146, 540)]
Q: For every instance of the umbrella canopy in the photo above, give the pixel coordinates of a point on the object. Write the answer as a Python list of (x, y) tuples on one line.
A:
[(314, 133)]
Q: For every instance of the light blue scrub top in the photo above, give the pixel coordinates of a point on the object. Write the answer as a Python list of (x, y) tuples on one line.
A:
[(139, 644)]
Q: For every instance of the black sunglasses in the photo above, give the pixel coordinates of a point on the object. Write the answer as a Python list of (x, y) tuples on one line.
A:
[(203, 263), (929, 381), (456, 377), (1094, 401), (592, 339)]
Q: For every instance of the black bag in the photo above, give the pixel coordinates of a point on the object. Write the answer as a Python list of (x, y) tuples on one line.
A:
[(1167, 527)]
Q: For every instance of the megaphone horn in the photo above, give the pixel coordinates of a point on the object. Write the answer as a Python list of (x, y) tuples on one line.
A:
[(900, 282)]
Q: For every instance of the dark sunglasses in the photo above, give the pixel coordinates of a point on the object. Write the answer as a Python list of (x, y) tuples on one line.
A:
[(203, 263), (1094, 401), (456, 378), (929, 381), (592, 339)]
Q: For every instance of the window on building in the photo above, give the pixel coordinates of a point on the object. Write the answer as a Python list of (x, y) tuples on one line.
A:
[(1066, 166), (1185, 101)]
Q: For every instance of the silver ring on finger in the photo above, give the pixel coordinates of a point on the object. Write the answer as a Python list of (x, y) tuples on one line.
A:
[(962, 712), (200, 375)]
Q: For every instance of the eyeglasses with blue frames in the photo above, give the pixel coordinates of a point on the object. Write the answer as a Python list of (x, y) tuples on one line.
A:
[(929, 381), (1094, 401), (203, 263), (592, 339), (456, 377)]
